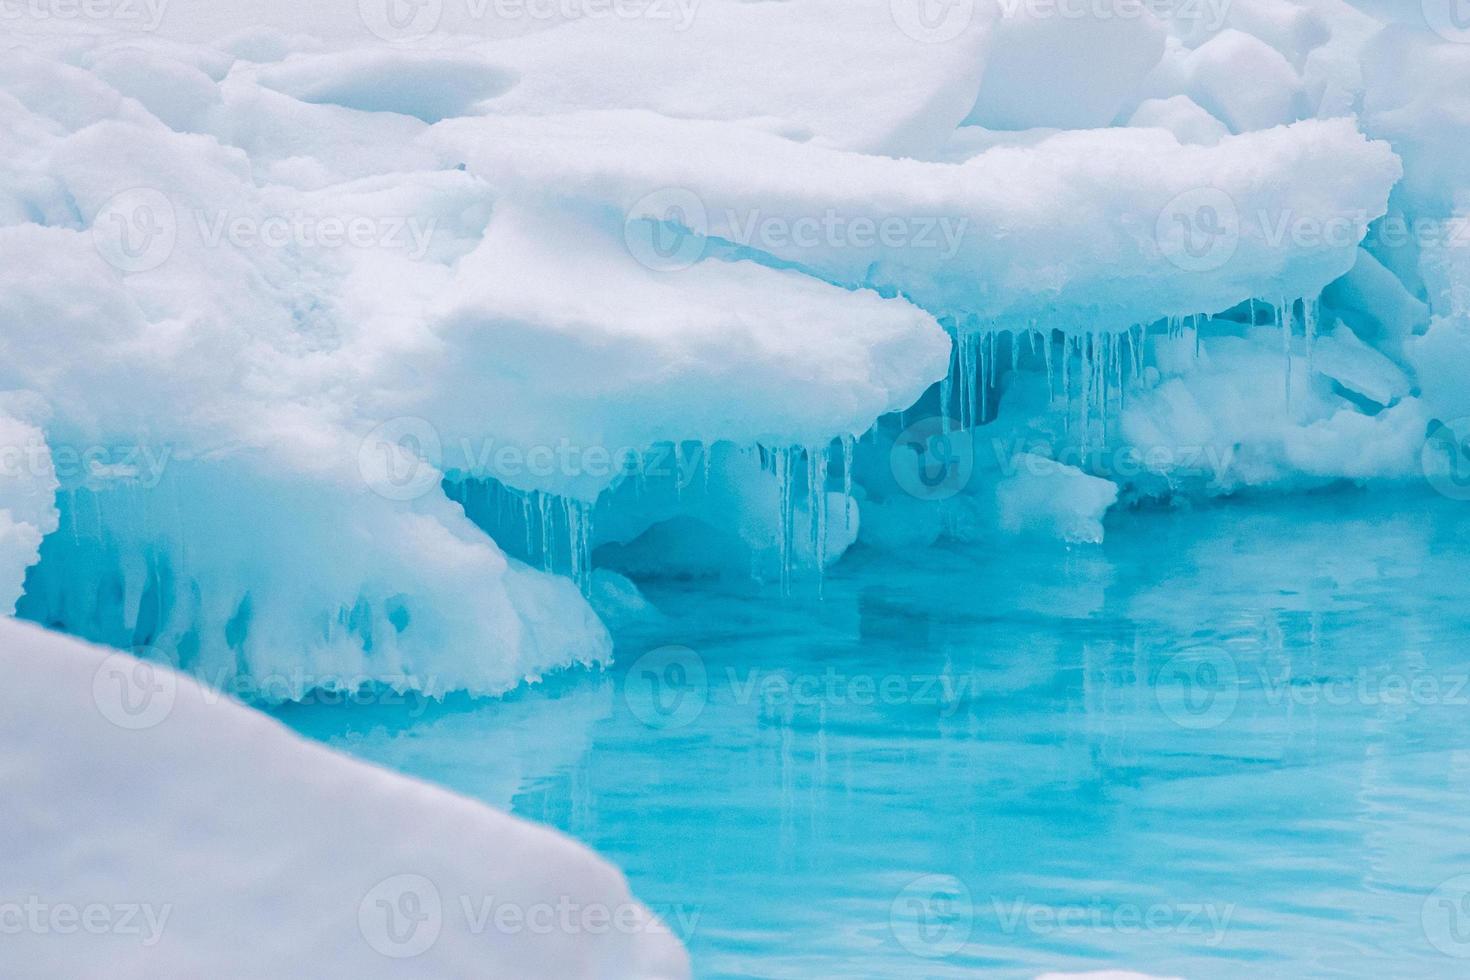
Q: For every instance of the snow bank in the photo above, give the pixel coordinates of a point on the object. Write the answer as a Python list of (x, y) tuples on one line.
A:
[(296, 282), (731, 351), (228, 840), (1081, 231), (253, 281)]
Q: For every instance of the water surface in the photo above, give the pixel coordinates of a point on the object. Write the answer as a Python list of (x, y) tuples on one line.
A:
[(1233, 740)]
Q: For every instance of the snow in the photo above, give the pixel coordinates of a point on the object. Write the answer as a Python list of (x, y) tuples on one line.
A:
[(1048, 69), (401, 337), (1054, 498), (226, 839), (1245, 82), (27, 492), (343, 352), (755, 64), (730, 351), (1183, 117), (1094, 241), (426, 85)]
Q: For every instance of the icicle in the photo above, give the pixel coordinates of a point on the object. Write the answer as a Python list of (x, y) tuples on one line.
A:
[(817, 504), (1067, 380), (994, 363), (1084, 387), (847, 453), (946, 384), (972, 381), (1283, 317), (983, 380), (1310, 312), (543, 505), (781, 460), (526, 520), (1050, 370)]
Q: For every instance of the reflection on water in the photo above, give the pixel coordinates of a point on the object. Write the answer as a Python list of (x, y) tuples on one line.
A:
[(1233, 741)]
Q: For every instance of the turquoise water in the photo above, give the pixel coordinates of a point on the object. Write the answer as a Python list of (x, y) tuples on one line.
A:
[(1230, 741)]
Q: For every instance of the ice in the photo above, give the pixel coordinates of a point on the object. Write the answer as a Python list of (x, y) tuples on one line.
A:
[(1359, 368), (265, 582), (27, 497), (1290, 26), (426, 85), (1095, 238), (341, 353), (1045, 496), (1417, 94), (1377, 304), (1441, 358), (1183, 117), (1244, 82), (1066, 72), (660, 294), (552, 331), (179, 94), (221, 827), (782, 67)]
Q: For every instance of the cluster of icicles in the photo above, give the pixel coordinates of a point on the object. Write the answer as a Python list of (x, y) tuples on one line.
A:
[(1087, 374)]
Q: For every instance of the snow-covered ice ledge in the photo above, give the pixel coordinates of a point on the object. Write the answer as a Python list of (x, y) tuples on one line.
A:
[(228, 846)]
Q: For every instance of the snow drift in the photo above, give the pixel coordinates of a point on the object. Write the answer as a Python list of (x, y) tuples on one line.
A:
[(226, 839)]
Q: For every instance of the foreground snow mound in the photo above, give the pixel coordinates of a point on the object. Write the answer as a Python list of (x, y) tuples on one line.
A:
[(229, 844)]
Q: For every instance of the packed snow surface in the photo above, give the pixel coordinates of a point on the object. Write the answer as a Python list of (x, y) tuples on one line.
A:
[(162, 829)]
